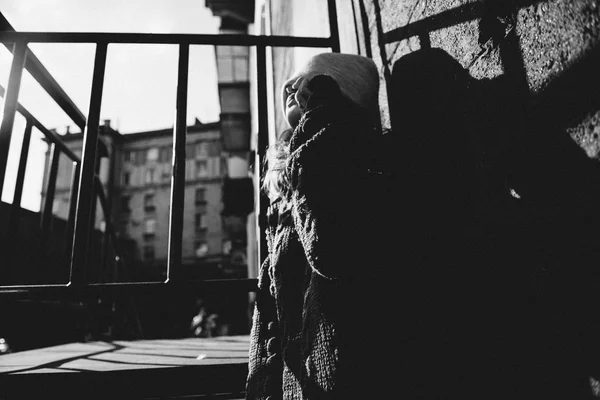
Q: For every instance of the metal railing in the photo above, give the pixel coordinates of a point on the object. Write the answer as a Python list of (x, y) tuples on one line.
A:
[(86, 185)]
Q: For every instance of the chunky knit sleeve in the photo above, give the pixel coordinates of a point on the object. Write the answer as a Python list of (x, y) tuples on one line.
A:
[(334, 194)]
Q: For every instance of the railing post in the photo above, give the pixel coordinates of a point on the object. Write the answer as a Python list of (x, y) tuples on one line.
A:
[(94, 254), (10, 105), (72, 209), (178, 176), (99, 194), (334, 33), (50, 189), (15, 212), (261, 148), (86, 177)]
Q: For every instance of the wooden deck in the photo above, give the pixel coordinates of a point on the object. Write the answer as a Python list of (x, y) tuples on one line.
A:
[(146, 369)]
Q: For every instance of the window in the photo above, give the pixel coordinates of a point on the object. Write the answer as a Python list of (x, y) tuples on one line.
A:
[(214, 149), (166, 174), (201, 249), (140, 157), (149, 228), (126, 178), (149, 175), (232, 63), (216, 165), (125, 203), (189, 151), (165, 155), (129, 156), (148, 252), (200, 222), (149, 202), (201, 149), (240, 69), (202, 168), (200, 195), (152, 154)]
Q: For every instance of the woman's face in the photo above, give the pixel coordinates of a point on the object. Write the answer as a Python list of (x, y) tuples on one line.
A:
[(293, 100)]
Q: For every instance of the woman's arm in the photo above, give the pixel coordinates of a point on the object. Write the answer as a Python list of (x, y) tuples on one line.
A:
[(336, 200)]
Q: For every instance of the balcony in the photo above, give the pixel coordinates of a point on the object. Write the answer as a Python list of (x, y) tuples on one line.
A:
[(81, 309)]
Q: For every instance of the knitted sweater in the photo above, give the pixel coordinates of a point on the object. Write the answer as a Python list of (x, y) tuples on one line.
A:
[(309, 339)]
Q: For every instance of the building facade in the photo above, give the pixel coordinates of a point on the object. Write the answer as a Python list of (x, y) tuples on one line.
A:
[(135, 170), (235, 85)]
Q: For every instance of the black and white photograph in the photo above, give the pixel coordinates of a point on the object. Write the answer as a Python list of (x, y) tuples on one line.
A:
[(300, 199)]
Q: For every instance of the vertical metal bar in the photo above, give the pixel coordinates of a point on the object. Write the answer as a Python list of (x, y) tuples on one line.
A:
[(110, 236), (103, 250), (72, 208), (93, 254), (10, 105), (366, 31), (86, 178), (334, 33), (357, 36), (261, 149), (178, 177), (16, 208), (109, 231), (50, 188)]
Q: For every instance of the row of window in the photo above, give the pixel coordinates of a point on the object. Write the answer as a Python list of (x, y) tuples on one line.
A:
[(202, 168), (164, 154), (200, 198), (200, 223), (150, 223)]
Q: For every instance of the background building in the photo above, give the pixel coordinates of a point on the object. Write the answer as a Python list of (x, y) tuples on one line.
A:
[(234, 83), (135, 170)]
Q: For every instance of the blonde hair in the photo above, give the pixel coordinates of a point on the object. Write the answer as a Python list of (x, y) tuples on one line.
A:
[(275, 180)]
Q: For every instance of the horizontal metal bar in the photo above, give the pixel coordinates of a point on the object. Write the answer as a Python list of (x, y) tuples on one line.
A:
[(237, 282), (52, 137), (166, 38), (249, 285), (46, 80), (5, 289)]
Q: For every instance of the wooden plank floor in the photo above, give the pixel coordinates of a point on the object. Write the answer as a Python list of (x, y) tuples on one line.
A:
[(144, 369)]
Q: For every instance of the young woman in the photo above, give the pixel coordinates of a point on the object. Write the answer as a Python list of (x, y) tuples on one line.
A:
[(321, 288)]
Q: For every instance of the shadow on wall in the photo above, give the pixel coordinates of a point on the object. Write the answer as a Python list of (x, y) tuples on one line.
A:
[(502, 209)]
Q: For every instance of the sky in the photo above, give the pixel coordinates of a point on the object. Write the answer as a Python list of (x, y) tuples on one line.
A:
[(140, 80)]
